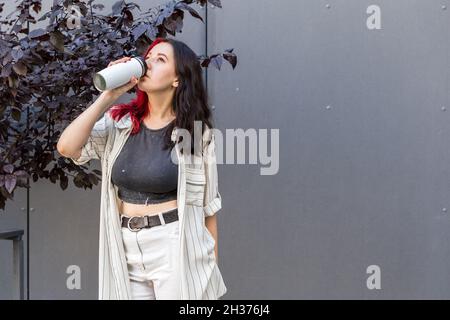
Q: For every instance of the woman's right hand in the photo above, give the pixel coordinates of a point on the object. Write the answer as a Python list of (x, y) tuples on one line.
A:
[(117, 92)]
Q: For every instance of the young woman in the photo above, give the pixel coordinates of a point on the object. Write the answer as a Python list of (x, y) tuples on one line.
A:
[(158, 228)]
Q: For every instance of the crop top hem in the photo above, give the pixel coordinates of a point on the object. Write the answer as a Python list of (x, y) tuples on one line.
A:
[(136, 197)]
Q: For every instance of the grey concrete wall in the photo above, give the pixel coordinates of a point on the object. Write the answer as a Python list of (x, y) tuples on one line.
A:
[(364, 157)]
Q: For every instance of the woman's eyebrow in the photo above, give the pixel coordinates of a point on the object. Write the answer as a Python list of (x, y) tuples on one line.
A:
[(162, 54)]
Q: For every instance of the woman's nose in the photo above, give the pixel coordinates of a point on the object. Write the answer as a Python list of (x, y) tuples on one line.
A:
[(149, 64)]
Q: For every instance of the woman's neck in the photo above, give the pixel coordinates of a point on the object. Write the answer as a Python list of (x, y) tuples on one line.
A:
[(160, 107)]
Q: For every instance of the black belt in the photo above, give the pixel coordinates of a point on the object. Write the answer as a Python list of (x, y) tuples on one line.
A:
[(137, 223)]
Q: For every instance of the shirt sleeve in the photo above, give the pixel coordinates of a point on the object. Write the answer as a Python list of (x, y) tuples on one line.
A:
[(212, 198), (96, 143)]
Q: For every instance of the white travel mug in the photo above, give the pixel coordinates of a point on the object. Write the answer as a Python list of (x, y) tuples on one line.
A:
[(120, 73)]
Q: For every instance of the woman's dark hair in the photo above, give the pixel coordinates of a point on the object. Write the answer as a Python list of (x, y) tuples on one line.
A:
[(190, 102)]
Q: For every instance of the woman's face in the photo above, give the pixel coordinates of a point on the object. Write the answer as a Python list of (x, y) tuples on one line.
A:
[(160, 74)]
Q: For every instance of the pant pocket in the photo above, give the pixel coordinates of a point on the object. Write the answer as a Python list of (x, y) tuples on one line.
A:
[(130, 247), (173, 237), (173, 228)]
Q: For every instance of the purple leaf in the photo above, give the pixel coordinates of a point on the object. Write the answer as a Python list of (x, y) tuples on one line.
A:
[(166, 13), (20, 68), (10, 182), (184, 6), (8, 168), (6, 71), (215, 3), (139, 30), (151, 32), (57, 40), (64, 182), (16, 114), (45, 16), (7, 58), (117, 7), (217, 61), (128, 17), (20, 173), (37, 33), (205, 62), (37, 7), (231, 58)]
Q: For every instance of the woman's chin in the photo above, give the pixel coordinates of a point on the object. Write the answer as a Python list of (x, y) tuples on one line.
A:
[(144, 88)]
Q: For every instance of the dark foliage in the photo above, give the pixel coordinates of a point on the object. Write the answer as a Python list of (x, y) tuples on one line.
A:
[(46, 76)]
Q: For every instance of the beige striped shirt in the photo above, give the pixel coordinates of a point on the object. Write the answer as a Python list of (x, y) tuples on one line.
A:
[(198, 196)]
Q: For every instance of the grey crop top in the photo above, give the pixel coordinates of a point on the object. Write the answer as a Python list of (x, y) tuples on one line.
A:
[(143, 172)]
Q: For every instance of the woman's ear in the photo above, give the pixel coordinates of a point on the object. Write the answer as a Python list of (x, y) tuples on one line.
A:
[(175, 83)]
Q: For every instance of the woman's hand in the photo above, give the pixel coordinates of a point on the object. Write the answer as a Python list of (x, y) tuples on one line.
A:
[(117, 92)]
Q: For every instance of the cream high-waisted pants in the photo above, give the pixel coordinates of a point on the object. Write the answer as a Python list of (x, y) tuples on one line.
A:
[(152, 255)]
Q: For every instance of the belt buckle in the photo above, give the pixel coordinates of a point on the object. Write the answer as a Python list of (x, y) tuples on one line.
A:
[(128, 225)]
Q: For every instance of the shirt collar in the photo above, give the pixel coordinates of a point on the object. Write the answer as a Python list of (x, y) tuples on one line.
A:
[(124, 122)]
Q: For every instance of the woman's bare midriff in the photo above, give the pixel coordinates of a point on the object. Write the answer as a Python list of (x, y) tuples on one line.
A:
[(139, 210)]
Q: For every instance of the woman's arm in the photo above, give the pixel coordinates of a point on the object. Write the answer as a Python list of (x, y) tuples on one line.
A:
[(76, 135)]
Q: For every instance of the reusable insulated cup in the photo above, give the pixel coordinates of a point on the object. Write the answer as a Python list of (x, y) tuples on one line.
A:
[(120, 73)]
